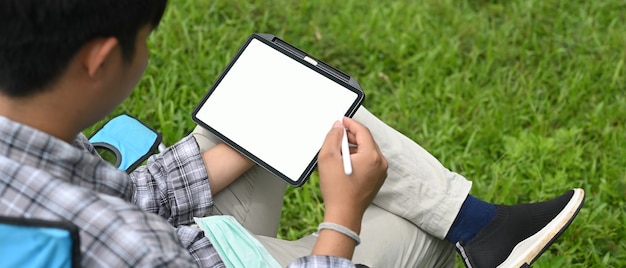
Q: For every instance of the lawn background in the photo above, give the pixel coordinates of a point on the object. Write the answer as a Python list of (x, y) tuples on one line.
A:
[(524, 97)]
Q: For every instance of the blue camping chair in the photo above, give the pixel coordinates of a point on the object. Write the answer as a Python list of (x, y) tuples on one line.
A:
[(38, 243), (130, 141)]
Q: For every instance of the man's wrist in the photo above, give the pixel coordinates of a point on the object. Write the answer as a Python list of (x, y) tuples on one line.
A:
[(340, 229), (349, 218)]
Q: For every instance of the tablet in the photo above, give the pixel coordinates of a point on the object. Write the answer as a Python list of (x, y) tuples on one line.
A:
[(275, 104)]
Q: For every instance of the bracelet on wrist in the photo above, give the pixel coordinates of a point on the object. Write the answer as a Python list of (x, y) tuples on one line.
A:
[(341, 229)]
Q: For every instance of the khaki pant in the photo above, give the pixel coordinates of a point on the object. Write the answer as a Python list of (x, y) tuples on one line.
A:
[(405, 225)]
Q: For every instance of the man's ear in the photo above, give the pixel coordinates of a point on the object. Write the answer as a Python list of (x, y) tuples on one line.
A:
[(97, 51)]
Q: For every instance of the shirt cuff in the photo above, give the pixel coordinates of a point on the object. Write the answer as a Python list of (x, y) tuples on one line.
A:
[(190, 191), (321, 261)]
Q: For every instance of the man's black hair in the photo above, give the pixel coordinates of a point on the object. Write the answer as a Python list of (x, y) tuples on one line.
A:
[(38, 38)]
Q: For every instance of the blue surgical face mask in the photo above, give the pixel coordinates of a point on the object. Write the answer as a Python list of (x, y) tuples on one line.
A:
[(235, 245)]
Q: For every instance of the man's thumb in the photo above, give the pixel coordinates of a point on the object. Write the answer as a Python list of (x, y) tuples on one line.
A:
[(332, 143)]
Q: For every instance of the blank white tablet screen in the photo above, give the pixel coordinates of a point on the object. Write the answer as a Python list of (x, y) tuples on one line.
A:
[(275, 108)]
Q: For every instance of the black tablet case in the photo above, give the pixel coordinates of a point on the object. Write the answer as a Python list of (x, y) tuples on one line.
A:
[(346, 81)]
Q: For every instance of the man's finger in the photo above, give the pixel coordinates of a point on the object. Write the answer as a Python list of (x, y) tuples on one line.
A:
[(362, 136), (332, 143)]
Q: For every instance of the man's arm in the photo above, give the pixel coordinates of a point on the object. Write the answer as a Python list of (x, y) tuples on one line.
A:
[(179, 183), (346, 197), (223, 165), (174, 184)]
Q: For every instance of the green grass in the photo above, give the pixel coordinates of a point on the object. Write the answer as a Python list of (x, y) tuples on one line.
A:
[(526, 98)]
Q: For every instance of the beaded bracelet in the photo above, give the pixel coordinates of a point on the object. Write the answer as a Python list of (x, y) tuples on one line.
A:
[(341, 229)]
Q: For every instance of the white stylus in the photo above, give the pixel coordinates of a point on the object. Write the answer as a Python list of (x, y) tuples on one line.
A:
[(345, 153)]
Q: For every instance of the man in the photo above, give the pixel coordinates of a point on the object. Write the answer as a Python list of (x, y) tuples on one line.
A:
[(65, 65)]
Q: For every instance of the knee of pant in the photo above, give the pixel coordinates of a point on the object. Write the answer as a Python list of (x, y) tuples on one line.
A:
[(204, 138)]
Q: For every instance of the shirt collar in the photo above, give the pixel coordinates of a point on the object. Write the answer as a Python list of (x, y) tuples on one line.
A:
[(68, 162)]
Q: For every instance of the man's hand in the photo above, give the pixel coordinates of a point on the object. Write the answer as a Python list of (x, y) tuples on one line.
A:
[(346, 197)]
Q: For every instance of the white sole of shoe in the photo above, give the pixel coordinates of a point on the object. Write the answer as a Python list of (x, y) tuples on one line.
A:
[(528, 250)]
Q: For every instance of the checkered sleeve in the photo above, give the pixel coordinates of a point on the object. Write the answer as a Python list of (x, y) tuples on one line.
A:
[(321, 261), (199, 247), (174, 184)]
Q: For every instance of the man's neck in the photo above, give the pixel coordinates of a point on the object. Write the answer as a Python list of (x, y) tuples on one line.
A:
[(40, 113)]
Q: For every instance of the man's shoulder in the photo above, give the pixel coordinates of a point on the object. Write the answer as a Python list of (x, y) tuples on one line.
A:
[(12, 171), (114, 230)]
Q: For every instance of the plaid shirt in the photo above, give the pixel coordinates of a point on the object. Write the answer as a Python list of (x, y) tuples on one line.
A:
[(141, 221)]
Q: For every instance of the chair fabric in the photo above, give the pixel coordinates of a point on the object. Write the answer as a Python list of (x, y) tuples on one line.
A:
[(38, 243), (129, 139)]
